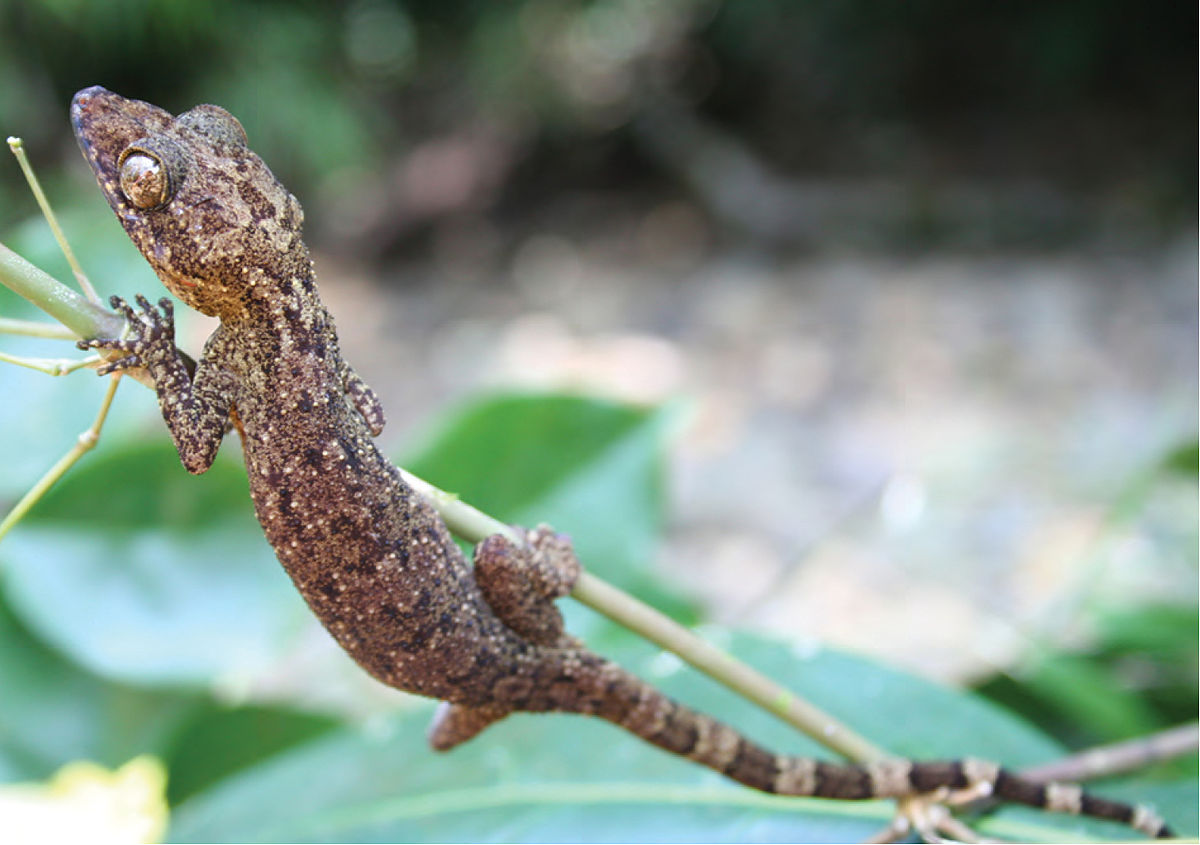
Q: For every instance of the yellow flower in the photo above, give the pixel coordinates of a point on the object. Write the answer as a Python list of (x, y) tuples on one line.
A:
[(84, 802)]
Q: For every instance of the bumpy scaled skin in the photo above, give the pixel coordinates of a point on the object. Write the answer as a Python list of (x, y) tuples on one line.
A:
[(370, 556)]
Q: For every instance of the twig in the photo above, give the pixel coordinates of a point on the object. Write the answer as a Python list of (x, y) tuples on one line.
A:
[(473, 525), (1119, 757), (737, 676), (18, 150), (29, 328), (51, 366), (84, 444), (84, 318)]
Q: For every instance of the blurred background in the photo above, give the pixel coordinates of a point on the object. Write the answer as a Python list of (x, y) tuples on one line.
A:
[(919, 279)]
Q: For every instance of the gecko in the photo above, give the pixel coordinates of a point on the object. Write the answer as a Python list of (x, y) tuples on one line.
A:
[(370, 556)]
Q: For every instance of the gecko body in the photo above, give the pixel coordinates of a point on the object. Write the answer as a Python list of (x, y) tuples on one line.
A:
[(372, 558)]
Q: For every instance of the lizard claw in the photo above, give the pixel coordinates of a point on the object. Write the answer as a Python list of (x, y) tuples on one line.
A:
[(120, 305), (149, 334), (125, 362), (929, 818)]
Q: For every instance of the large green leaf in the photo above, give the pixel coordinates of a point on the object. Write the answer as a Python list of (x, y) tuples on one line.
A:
[(1184, 459), (52, 712), (143, 573), (528, 445), (567, 778), (589, 467), (218, 740)]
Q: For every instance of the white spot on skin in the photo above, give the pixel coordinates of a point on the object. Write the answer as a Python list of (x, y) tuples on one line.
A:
[(980, 771), (1146, 821), (1064, 798), (890, 778), (798, 776)]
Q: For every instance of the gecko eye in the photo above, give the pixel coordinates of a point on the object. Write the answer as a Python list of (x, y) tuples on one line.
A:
[(144, 179)]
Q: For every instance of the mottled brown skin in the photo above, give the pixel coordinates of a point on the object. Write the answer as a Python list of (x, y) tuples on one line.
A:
[(370, 556)]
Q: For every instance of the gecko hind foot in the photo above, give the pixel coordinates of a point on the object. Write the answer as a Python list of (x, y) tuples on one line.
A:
[(520, 583), (454, 724)]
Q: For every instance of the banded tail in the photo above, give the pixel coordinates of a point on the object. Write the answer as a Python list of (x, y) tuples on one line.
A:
[(557, 673), (607, 691)]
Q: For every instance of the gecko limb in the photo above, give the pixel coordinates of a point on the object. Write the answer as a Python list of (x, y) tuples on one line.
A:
[(151, 340), (363, 398), (196, 412), (520, 583), (454, 724)]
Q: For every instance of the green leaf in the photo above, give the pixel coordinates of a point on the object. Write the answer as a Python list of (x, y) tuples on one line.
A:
[(1081, 687), (219, 740), (52, 712), (530, 445), (1138, 676), (589, 467), (135, 485), (568, 778), (142, 573), (44, 416), (1184, 460)]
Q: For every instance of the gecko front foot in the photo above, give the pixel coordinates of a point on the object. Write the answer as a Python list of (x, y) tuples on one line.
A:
[(150, 336)]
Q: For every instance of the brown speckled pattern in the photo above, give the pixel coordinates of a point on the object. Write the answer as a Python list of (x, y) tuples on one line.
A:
[(372, 559)]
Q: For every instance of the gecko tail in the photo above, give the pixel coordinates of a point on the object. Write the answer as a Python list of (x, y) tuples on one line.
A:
[(640, 708)]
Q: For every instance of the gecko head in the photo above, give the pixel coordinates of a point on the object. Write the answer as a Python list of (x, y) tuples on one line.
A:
[(203, 208)]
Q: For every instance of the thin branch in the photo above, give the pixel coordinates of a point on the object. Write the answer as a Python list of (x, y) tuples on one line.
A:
[(84, 318), (462, 519), (30, 328), (85, 442), (473, 525), (1119, 757), (51, 366), (737, 676), (18, 149)]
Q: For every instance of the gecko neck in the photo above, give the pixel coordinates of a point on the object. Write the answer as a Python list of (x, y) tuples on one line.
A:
[(282, 303)]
